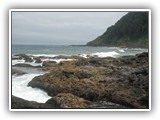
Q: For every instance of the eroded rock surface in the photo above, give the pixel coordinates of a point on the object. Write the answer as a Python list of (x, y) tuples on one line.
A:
[(19, 103), (123, 81)]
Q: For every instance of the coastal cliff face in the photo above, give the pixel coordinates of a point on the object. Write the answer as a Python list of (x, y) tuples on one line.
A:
[(130, 31)]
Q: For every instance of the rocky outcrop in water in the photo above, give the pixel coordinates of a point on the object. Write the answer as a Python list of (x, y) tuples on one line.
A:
[(122, 81), (19, 103), (25, 57), (68, 100), (17, 72)]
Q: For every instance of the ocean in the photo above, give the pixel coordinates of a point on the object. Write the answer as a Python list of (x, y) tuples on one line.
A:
[(54, 50)]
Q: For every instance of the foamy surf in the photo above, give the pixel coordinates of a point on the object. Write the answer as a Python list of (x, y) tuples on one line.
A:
[(20, 89), (43, 55), (105, 54), (14, 62), (121, 50), (57, 60)]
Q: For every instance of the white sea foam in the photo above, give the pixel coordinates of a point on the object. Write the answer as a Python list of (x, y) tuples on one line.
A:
[(34, 64), (58, 60), (121, 50), (105, 54), (20, 89), (17, 61), (44, 55), (14, 62), (83, 55)]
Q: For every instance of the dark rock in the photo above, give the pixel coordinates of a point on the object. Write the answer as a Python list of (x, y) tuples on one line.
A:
[(68, 100), (17, 72), (123, 80), (84, 74), (23, 65), (16, 58), (38, 60), (19, 103), (142, 55), (144, 101), (53, 102), (106, 105), (25, 57), (60, 57), (49, 63), (82, 62)]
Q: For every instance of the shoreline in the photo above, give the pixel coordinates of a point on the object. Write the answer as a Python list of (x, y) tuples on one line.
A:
[(94, 81)]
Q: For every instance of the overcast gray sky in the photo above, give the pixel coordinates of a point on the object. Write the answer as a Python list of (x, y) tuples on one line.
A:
[(60, 28)]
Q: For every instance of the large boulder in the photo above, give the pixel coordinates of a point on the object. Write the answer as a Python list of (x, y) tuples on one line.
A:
[(23, 65), (17, 72), (49, 63), (25, 57), (19, 103), (38, 60), (68, 100)]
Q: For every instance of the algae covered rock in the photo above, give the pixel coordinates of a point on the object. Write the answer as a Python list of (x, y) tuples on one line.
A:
[(123, 80), (68, 100)]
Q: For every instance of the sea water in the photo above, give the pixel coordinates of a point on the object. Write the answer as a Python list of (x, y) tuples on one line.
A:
[(54, 50)]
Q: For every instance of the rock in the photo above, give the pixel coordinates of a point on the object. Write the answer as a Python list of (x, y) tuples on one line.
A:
[(123, 80), (49, 63), (17, 72), (142, 55), (38, 60), (82, 62), (67, 57), (23, 65), (144, 101), (19, 103), (53, 102), (68, 80), (25, 57), (16, 58), (105, 105), (84, 74), (68, 100)]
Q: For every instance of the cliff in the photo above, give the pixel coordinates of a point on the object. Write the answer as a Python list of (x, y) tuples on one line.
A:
[(130, 31)]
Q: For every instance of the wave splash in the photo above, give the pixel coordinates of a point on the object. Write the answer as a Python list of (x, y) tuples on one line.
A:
[(20, 89), (106, 54)]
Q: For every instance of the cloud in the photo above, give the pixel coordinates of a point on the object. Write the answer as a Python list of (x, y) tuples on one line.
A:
[(60, 27)]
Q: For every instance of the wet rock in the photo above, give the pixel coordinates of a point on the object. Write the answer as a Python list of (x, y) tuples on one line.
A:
[(144, 101), (123, 80), (38, 60), (49, 63), (142, 55), (16, 58), (17, 72), (105, 105), (19, 103), (68, 100), (23, 65), (84, 74), (25, 57)]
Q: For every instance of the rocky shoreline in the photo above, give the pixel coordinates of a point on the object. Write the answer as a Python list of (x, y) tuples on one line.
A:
[(109, 83)]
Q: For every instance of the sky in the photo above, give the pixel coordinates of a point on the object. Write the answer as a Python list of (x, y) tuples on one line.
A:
[(60, 28)]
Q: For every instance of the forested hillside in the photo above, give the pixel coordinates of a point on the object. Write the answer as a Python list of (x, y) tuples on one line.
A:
[(130, 31)]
